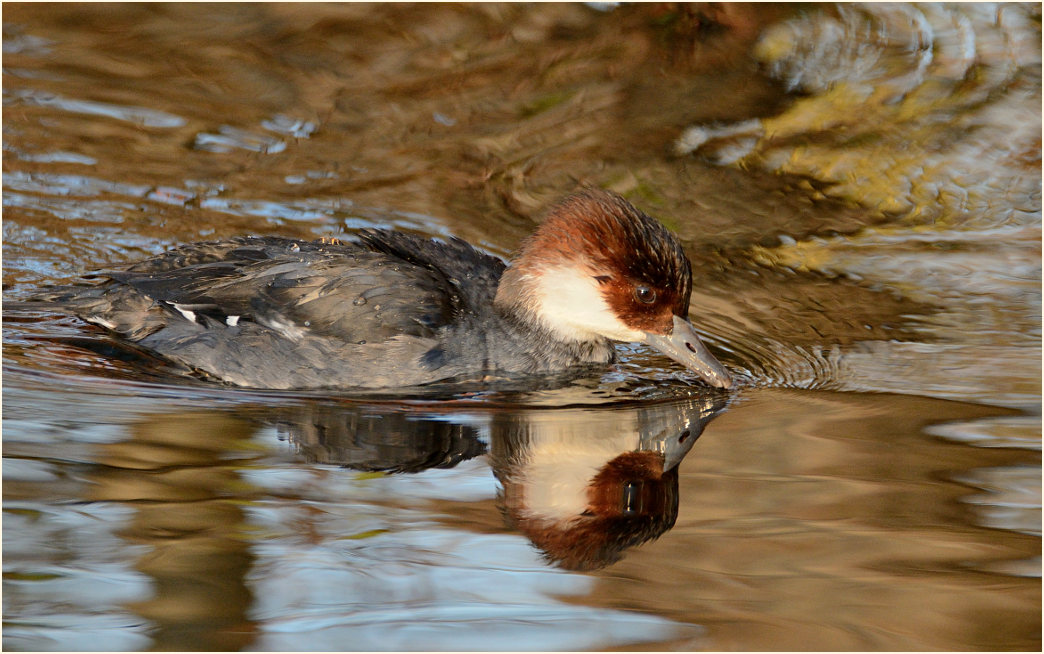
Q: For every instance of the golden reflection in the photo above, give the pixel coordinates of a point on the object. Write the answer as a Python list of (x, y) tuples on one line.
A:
[(175, 471), (832, 518)]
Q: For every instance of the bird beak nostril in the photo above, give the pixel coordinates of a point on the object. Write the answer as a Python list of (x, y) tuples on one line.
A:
[(684, 346)]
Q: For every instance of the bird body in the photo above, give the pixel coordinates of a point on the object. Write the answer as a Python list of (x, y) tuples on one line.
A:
[(392, 309)]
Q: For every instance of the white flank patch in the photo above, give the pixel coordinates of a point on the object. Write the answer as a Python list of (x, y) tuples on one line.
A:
[(232, 321), (189, 315), (571, 304), (98, 320)]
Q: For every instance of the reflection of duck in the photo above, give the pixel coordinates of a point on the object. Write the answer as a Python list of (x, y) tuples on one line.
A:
[(398, 310), (584, 485)]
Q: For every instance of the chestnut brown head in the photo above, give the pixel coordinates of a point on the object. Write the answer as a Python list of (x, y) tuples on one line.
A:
[(599, 268)]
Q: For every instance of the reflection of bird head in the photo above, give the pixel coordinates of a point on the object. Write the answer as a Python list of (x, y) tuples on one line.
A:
[(629, 500), (584, 484)]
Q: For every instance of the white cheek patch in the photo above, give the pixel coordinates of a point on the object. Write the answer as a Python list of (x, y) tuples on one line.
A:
[(572, 305)]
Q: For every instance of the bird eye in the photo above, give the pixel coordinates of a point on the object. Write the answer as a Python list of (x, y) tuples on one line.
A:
[(644, 294)]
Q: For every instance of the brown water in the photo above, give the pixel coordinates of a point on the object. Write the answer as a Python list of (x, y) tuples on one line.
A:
[(859, 189)]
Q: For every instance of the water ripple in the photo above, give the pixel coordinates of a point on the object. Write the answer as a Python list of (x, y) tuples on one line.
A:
[(135, 115), (56, 184), (231, 138)]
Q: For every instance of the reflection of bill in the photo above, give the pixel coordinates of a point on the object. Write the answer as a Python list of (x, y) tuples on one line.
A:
[(586, 484), (583, 484)]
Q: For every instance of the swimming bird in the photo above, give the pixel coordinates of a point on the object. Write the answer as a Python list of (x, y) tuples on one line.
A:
[(391, 309)]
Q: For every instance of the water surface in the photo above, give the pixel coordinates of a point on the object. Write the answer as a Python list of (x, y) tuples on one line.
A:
[(858, 188)]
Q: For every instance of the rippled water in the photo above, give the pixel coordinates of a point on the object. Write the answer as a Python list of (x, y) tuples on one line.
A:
[(858, 187)]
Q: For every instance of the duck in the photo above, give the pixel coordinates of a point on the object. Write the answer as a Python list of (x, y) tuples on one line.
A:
[(390, 309)]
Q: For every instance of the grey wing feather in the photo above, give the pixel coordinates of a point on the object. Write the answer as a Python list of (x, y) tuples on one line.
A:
[(343, 291), (273, 312)]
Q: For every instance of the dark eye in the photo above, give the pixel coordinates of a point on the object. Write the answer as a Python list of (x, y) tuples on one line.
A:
[(644, 294)]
